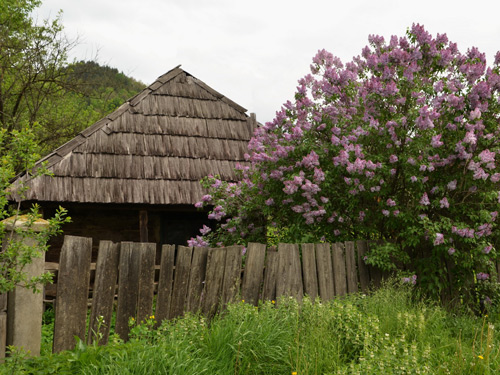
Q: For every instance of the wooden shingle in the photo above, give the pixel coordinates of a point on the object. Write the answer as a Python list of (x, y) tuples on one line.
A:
[(154, 149)]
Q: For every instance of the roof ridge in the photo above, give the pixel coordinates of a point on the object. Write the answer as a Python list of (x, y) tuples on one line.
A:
[(218, 95)]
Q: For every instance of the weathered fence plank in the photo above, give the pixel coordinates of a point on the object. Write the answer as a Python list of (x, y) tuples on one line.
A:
[(3, 324), (270, 275), (289, 280), (181, 281), (128, 291), (232, 274), (352, 273), (213, 281), (339, 272), (253, 273), (364, 274), (72, 292), (325, 271), (196, 279), (309, 270), (165, 282), (146, 280), (104, 292), (3, 334), (498, 271)]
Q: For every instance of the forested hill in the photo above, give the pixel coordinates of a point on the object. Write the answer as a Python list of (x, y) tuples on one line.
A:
[(105, 83), (99, 90)]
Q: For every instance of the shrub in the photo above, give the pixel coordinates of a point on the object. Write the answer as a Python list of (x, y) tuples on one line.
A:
[(397, 145)]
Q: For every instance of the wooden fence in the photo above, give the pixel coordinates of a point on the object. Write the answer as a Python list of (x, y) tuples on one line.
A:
[(193, 279)]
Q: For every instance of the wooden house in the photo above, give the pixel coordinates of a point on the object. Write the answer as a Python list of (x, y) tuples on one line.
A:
[(134, 175)]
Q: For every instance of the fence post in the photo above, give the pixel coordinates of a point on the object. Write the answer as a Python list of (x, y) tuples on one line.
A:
[(3, 325), (72, 292), (24, 307)]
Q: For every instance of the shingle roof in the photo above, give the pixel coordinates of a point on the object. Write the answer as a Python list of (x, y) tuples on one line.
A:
[(153, 149)]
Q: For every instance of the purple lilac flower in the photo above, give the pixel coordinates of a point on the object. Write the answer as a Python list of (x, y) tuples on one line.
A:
[(451, 251), (270, 202), (444, 203), (436, 141), (487, 156), (424, 200), (413, 178), (205, 230), (198, 204), (487, 249), (452, 185), (412, 279), (385, 212), (439, 239), (475, 114), (482, 276), (390, 202)]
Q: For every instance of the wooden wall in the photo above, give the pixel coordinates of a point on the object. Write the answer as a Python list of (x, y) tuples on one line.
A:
[(118, 223)]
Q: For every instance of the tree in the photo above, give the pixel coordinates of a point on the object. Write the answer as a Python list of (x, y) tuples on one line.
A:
[(31, 61), (17, 151), (39, 86), (31, 58), (399, 145)]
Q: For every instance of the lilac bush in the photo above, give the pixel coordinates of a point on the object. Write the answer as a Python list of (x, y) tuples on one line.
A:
[(398, 144)]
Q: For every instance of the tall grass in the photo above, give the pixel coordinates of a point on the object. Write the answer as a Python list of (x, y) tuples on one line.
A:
[(387, 332)]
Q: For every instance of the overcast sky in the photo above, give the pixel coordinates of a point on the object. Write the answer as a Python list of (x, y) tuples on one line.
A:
[(254, 52)]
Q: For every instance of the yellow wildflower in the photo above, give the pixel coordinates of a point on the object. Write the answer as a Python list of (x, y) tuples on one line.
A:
[(294, 372), (480, 357), (273, 302)]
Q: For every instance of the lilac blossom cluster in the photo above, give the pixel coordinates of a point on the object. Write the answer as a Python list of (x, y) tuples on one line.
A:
[(400, 144)]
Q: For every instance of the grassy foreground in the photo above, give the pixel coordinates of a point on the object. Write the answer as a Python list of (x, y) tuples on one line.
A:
[(387, 332)]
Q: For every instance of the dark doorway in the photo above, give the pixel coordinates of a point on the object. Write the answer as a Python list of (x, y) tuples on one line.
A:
[(178, 228)]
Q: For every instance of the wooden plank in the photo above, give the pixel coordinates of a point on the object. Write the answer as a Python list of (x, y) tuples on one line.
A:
[(146, 280), (364, 273), (3, 334), (253, 273), (128, 288), (213, 281), (181, 281), (270, 275), (498, 271), (289, 280), (339, 272), (309, 270), (196, 278), (3, 302), (143, 225), (352, 272), (232, 274), (165, 282), (106, 275), (325, 271), (72, 292)]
